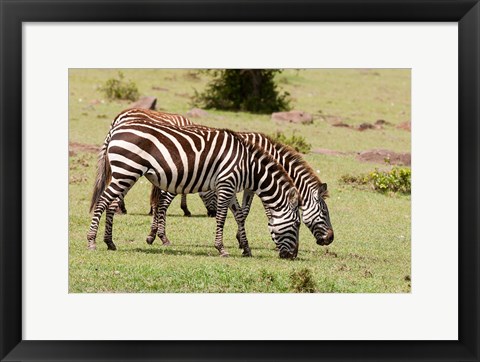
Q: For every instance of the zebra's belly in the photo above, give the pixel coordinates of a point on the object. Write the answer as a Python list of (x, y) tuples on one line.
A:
[(177, 186)]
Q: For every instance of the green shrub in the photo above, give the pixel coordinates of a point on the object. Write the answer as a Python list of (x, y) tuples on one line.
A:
[(302, 281), (250, 90), (118, 88), (297, 142), (396, 180), (354, 179)]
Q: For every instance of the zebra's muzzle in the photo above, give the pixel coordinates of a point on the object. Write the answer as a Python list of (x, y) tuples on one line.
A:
[(327, 239)]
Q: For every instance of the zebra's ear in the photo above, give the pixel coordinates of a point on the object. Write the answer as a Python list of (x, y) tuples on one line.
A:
[(323, 191)]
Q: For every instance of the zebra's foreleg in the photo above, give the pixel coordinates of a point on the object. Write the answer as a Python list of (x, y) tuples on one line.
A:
[(183, 205), (247, 201), (209, 199), (159, 221), (241, 234), (224, 199)]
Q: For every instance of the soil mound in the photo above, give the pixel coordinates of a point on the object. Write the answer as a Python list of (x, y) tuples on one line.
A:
[(379, 156), (74, 147)]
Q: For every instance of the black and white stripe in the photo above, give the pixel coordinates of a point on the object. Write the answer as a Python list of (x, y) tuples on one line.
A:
[(164, 118), (194, 159), (312, 191)]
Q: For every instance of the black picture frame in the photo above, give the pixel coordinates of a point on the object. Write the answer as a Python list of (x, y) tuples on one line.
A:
[(14, 13)]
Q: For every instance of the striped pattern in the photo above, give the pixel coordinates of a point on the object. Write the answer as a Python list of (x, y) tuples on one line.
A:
[(132, 114), (194, 159), (312, 191)]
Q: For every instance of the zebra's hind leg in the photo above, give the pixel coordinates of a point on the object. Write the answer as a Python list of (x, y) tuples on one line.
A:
[(121, 209), (183, 205), (104, 202), (241, 234), (160, 205), (111, 210)]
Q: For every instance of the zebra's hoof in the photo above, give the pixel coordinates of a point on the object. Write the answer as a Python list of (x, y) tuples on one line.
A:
[(287, 255), (224, 254), (92, 246), (247, 253), (150, 239), (166, 243), (111, 246), (187, 214)]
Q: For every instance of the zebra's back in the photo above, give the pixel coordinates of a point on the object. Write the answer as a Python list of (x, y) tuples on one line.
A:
[(135, 114), (178, 160)]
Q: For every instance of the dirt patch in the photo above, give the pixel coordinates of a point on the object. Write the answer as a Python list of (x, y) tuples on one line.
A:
[(182, 95), (161, 89), (325, 151), (379, 124), (145, 102), (293, 117), (406, 126), (341, 124), (380, 156), (365, 126), (382, 122), (330, 118), (74, 147), (197, 113)]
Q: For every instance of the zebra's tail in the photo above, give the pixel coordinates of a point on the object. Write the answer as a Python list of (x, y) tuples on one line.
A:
[(154, 196), (104, 174)]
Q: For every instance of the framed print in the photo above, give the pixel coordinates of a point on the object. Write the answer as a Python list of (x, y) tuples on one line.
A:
[(377, 99)]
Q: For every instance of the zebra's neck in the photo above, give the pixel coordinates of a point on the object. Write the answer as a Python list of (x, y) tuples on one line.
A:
[(301, 174), (268, 179)]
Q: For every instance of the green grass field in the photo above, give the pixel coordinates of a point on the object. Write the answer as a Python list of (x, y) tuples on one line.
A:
[(372, 248)]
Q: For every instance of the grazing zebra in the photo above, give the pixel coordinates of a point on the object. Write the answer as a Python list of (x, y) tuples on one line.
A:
[(312, 192), (165, 118), (191, 159)]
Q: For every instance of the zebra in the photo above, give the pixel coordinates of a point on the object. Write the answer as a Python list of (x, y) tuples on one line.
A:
[(166, 118), (315, 213), (191, 159), (313, 192)]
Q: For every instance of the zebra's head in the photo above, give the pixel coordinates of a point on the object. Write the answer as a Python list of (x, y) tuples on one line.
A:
[(316, 217), (283, 224)]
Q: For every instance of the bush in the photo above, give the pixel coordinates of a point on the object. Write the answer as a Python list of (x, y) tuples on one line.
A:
[(297, 142), (395, 180), (118, 88), (250, 90), (302, 281)]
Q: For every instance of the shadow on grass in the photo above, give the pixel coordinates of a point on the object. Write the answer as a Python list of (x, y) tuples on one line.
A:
[(189, 250), (178, 251), (168, 215)]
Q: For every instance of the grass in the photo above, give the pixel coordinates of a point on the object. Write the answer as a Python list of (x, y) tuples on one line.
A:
[(372, 248)]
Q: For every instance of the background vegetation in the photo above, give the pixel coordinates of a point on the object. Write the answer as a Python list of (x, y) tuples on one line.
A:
[(249, 90), (371, 251)]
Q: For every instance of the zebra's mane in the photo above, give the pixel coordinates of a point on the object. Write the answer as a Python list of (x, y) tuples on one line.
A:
[(252, 147), (293, 156)]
